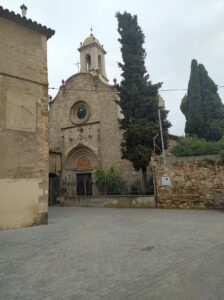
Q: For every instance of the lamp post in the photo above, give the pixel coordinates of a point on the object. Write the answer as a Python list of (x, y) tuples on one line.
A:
[(161, 105)]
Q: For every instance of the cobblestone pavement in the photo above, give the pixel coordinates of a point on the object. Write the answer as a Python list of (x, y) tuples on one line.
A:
[(96, 253)]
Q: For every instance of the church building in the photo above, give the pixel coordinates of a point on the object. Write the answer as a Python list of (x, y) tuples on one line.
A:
[(84, 129)]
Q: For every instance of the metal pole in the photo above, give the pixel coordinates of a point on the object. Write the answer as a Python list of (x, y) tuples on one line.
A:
[(154, 143), (161, 133)]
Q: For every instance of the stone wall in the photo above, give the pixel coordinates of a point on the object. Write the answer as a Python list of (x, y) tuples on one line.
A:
[(196, 182), (23, 126), (110, 201)]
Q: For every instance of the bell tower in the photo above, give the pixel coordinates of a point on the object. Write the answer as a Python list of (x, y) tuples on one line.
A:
[(92, 56)]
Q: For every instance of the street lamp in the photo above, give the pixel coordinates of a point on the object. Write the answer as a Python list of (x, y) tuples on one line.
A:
[(161, 105)]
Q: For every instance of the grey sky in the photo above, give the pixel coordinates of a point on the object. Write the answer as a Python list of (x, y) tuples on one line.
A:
[(176, 31)]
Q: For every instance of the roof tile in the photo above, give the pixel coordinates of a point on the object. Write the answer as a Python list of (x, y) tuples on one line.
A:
[(17, 18)]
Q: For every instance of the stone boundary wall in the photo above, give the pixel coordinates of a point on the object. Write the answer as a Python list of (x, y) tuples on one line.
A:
[(196, 182), (110, 201)]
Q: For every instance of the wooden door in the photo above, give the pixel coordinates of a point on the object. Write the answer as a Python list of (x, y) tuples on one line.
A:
[(84, 184)]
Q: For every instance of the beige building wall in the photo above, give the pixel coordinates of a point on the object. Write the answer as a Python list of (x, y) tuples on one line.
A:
[(23, 125)]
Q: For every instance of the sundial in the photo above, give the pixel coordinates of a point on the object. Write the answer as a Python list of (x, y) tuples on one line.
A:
[(20, 112)]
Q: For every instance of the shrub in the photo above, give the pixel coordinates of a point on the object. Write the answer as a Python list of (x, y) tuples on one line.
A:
[(109, 182), (194, 146)]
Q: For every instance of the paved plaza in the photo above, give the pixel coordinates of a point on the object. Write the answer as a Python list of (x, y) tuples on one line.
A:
[(96, 253)]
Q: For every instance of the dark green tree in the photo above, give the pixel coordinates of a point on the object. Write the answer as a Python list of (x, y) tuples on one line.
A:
[(191, 103), (202, 106), (138, 97), (212, 107)]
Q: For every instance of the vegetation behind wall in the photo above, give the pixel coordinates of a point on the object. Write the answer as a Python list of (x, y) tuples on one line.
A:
[(194, 146)]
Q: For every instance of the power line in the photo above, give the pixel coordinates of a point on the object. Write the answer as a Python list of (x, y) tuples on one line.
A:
[(82, 90), (165, 90), (91, 90), (175, 90)]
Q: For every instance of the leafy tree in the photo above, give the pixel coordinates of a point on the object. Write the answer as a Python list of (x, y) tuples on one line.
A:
[(138, 97), (202, 106)]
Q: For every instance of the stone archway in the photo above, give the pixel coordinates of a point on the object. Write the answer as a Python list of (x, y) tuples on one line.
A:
[(83, 169), (79, 166)]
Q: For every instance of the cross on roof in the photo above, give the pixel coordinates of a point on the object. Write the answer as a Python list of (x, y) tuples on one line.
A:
[(77, 64)]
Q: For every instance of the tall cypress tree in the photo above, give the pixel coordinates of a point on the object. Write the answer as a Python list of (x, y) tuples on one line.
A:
[(212, 107), (202, 106), (138, 96), (191, 104)]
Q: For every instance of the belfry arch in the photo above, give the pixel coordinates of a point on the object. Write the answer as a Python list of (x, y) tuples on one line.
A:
[(88, 62), (100, 64)]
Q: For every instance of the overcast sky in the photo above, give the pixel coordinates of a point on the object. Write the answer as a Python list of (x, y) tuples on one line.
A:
[(176, 31)]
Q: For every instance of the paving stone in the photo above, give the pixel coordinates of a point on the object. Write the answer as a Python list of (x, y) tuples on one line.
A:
[(96, 253)]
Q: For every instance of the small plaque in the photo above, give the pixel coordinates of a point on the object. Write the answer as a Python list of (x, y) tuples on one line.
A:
[(165, 181)]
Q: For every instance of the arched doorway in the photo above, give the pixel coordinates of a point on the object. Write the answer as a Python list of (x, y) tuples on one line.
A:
[(83, 176), (79, 168)]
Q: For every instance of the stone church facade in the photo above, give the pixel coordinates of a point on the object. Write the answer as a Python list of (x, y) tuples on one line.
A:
[(84, 129)]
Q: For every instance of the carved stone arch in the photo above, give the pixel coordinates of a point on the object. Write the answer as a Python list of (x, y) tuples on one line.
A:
[(80, 158)]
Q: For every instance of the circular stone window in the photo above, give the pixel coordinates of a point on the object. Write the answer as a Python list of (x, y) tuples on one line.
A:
[(79, 112)]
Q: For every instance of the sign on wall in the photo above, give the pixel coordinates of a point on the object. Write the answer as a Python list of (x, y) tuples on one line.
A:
[(165, 181)]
